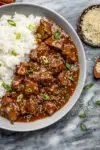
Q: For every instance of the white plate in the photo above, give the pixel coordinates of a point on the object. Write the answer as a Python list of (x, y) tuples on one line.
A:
[(26, 9)]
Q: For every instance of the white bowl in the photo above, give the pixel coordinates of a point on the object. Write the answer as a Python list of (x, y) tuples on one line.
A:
[(27, 9)]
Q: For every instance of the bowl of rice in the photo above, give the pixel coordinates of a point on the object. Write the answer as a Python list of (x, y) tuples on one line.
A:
[(18, 41)]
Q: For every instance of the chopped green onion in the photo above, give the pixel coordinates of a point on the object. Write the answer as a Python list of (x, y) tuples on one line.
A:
[(66, 97), (28, 116), (14, 53), (45, 59), (70, 78), (0, 64), (7, 87), (68, 66), (82, 115), (57, 35), (88, 86), (18, 36), (30, 71), (39, 36), (20, 96), (31, 27), (46, 97), (28, 90), (98, 102), (83, 127), (11, 22)]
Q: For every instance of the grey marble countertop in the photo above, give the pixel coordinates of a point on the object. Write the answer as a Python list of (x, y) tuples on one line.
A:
[(66, 133)]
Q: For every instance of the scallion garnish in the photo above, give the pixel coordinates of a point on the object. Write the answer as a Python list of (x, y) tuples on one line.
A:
[(45, 59), (39, 36), (7, 87), (18, 36), (30, 71), (31, 27), (57, 35), (46, 97), (70, 78), (0, 64), (14, 53), (98, 102), (20, 96), (11, 22), (88, 86), (28, 116), (68, 66), (83, 127), (82, 115)]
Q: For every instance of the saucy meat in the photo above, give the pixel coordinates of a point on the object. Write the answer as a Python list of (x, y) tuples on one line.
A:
[(45, 83)]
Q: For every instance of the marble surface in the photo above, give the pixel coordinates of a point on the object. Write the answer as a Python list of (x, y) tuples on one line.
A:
[(66, 133)]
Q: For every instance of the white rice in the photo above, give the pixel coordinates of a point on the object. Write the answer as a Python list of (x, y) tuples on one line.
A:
[(8, 43)]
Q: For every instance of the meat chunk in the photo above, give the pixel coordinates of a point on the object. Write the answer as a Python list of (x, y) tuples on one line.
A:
[(17, 81), (9, 97), (31, 87), (54, 43), (69, 52), (22, 103), (44, 30), (22, 68), (32, 106), (6, 100), (63, 78), (38, 52), (11, 112), (49, 107), (48, 58), (33, 66), (57, 39), (46, 78), (56, 63)]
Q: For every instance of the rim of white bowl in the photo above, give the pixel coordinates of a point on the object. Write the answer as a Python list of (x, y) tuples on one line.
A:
[(42, 123)]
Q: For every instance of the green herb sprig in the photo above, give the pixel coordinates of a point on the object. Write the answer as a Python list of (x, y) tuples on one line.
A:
[(88, 86)]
